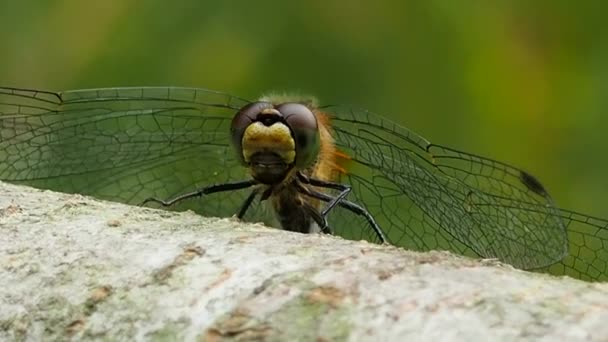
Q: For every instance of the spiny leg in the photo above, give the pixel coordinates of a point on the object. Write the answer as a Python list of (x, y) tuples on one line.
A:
[(354, 208), (319, 219), (204, 191), (344, 190), (247, 204)]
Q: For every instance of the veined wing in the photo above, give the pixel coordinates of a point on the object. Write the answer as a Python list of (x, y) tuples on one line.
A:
[(122, 144), (428, 196), (587, 257), (447, 199)]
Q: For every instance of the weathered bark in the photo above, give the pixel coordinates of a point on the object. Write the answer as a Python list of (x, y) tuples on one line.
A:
[(76, 267)]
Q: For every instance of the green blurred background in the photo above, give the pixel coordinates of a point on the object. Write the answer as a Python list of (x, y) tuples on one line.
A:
[(519, 81)]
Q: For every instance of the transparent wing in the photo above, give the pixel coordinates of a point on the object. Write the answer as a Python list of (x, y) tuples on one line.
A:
[(587, 257), (123, 144), (427, 196)]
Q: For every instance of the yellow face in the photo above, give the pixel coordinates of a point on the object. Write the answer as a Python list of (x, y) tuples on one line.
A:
[(275, 138)]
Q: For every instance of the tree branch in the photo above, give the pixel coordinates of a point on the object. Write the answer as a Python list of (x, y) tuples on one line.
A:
[(77, 267)]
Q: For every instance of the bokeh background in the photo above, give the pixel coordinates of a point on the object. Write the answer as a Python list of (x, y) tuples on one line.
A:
[(519, 81)]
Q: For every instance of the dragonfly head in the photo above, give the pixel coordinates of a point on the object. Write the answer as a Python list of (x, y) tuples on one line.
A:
[(273, 139)]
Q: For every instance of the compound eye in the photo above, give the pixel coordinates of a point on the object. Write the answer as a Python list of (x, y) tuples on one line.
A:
[(241, 120), (303, 124)]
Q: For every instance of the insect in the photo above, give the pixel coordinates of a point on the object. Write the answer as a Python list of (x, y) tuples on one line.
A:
[(318, 168), (289, 149)]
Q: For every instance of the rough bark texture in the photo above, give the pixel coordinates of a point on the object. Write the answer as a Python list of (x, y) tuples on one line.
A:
[(74, 267)]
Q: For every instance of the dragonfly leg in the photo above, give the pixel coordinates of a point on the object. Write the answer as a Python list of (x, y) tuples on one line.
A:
[(344, 191), (344, 204), (247, 204), (204, 191), (320, 219)]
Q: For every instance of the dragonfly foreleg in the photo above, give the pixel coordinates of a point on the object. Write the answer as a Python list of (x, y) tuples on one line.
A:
[(344, 204), (203, 191)]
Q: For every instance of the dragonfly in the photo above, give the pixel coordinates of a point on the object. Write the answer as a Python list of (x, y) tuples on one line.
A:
[(387, 183)]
